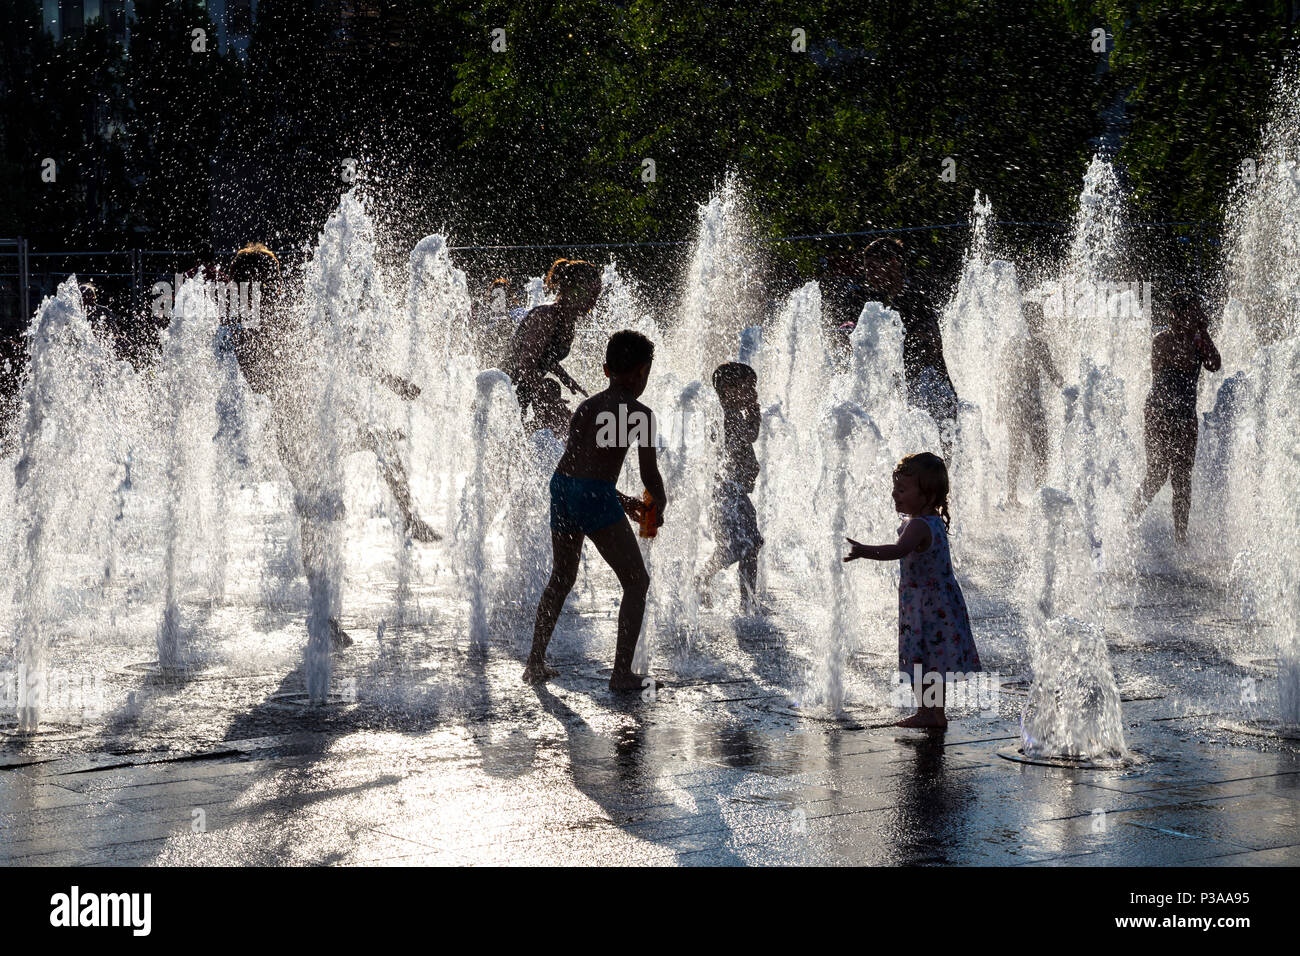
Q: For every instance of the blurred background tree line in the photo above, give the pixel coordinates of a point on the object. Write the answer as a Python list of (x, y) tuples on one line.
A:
[(838, 116)]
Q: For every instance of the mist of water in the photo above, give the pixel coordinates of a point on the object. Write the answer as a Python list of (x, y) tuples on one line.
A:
[(831, 431), (64, 477), (1251, 407)]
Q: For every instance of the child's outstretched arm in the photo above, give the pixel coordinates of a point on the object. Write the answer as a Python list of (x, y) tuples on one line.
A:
[(915, 537), (568, 381)]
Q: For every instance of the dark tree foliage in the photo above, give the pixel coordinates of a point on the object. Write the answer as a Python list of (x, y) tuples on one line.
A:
[(838, 115), (1197, 78)]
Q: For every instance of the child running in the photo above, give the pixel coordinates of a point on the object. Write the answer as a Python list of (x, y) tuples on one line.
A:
[(934, 633), (585, 503), (734, 520)]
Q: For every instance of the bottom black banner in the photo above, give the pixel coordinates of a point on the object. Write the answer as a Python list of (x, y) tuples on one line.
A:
[(331, 905)]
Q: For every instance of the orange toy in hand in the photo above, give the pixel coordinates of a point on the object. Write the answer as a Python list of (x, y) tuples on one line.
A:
[(649, 516)]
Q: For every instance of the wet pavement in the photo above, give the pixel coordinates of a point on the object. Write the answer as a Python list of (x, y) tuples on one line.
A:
[(435, 752), (710, 772)]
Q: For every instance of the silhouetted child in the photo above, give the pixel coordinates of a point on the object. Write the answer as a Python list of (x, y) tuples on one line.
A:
[(544, 336), (925, 370), (586, 503), (934, 633), (1177, 356), (493, 325), (735, 523), (1025, 361), (549, 408), (277, 363)]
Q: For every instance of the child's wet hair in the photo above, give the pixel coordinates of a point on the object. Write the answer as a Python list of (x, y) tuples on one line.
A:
[(731, 374), (884, 249), (255, 263), (931, 476), (628, 350), (1185, 305), (567, 273)]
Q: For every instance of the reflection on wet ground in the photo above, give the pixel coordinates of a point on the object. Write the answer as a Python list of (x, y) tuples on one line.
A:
[(562, 774), (436, 752)]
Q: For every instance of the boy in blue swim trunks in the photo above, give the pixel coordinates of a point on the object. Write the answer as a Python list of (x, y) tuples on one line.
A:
[(585, 503)]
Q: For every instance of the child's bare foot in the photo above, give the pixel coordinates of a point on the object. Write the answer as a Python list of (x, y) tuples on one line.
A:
[(923, 722), (537, 672), (631, 681)]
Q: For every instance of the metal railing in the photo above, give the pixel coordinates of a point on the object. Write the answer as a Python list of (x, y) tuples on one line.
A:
[(126, 276), (21, 293)]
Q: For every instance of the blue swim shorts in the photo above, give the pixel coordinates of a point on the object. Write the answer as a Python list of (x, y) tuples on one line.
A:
[(583, 505)]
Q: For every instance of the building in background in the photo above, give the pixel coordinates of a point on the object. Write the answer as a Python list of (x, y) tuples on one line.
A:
[(372, 24), (68, 18), (233, 19)]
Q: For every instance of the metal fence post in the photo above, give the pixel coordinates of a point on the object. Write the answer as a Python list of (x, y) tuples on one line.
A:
[(137, 275), (24, 277)]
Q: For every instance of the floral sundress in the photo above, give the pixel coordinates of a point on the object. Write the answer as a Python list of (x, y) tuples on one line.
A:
[(933, 624)]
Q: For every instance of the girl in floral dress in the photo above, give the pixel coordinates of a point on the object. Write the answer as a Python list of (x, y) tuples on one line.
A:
[(935, 644)]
